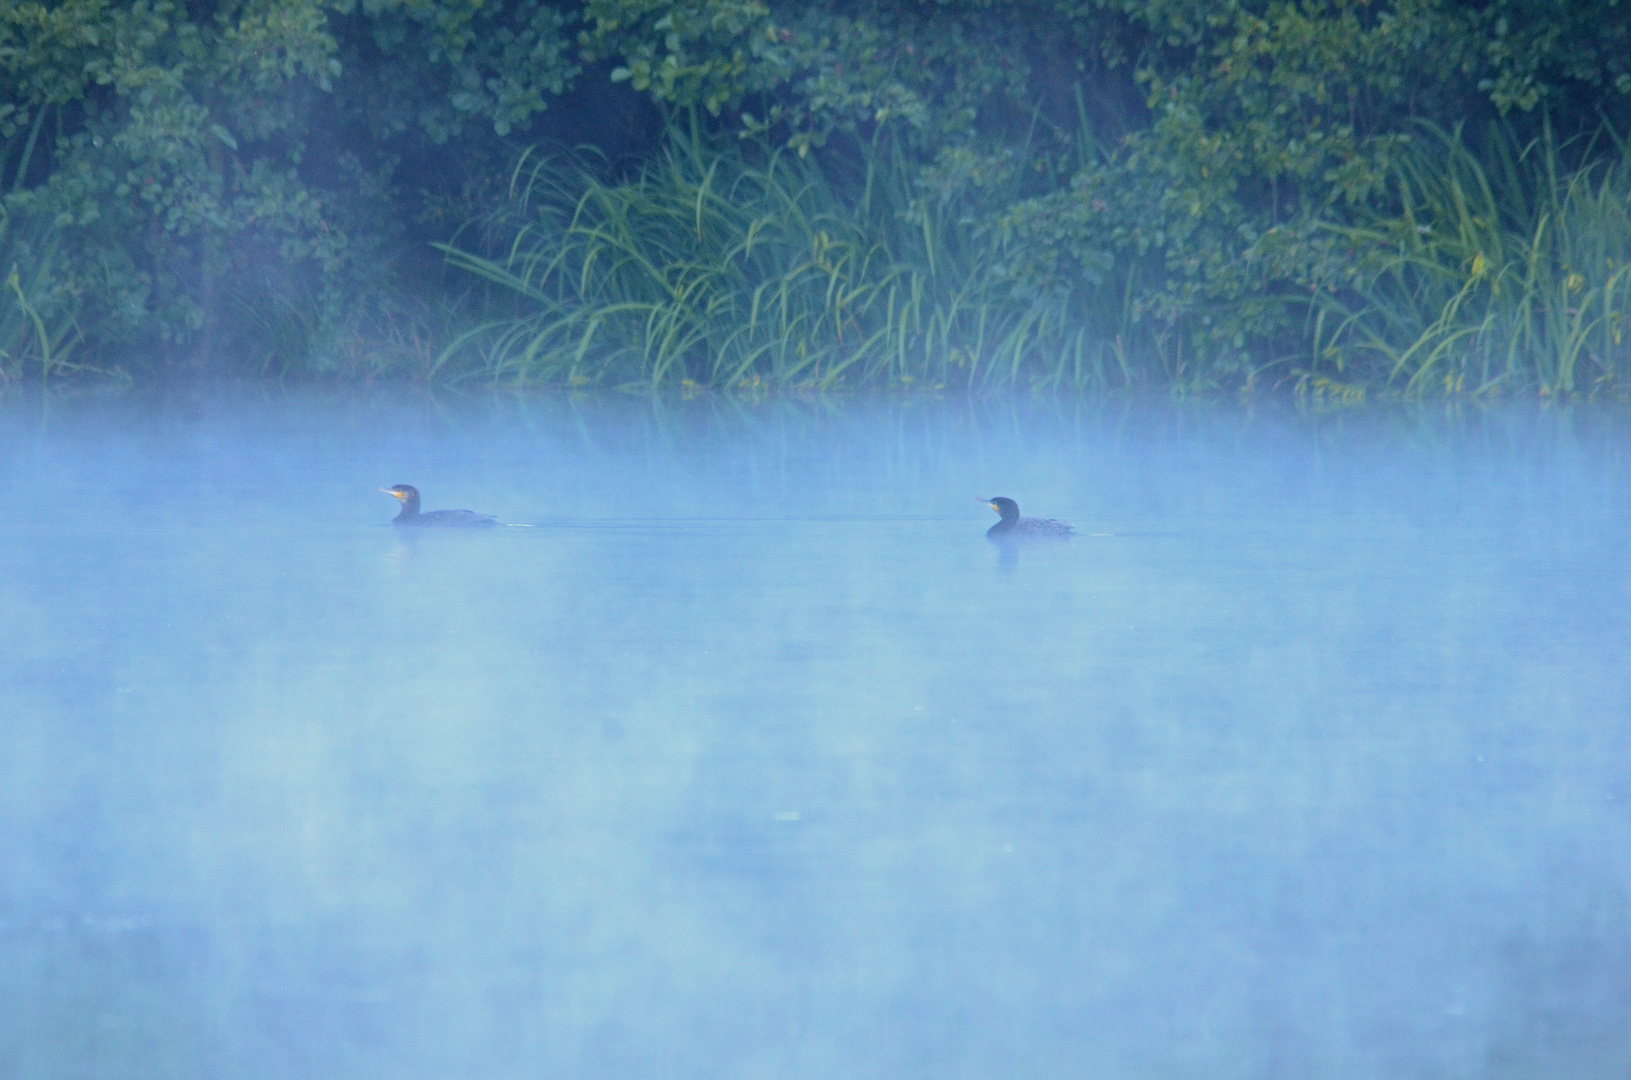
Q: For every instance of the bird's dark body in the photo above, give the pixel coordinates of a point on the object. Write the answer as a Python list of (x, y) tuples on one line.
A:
[(446, 519), (408, 495), (1014, 527)]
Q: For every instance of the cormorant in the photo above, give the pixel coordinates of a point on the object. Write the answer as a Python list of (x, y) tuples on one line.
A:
[(1012, 526), (408, 496)]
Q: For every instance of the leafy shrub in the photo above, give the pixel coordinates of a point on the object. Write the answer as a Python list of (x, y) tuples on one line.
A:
[(1500, 267), (1165, 190)]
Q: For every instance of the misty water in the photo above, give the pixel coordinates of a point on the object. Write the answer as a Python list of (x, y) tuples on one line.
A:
[(743, 753)]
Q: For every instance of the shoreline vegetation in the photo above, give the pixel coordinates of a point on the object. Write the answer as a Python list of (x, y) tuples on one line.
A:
[(1335, 199)]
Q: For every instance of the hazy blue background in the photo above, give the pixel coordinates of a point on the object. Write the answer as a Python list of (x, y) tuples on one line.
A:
[(753, 758)]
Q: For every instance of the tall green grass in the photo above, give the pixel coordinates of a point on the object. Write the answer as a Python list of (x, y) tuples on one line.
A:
[(1500, 268), (752, 267), (37, 336)]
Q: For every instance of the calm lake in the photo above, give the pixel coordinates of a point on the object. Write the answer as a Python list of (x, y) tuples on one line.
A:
[(750, 757)]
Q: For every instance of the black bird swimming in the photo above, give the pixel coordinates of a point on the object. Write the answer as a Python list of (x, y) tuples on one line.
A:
[(1012, 526), (408, 496)]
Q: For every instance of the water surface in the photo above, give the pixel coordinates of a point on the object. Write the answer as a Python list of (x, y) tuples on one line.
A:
[(749, 756)]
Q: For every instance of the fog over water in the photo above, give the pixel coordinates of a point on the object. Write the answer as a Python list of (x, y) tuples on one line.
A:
[(1309, 757)]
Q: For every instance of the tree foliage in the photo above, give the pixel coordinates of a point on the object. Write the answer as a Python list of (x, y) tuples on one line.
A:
[(237, 184)]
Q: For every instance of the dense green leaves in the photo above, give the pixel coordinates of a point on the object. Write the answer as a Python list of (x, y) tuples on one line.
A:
[(254, 184)]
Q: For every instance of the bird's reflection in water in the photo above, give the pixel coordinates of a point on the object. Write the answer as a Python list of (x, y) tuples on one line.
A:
[(1007, 553), (1008, 547), (400, 555)]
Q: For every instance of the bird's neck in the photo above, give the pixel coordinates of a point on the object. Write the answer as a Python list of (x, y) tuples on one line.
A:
[(410, 509)]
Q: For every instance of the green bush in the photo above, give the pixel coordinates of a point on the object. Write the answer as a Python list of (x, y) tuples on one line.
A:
[(979, 192), (1501, 267)]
